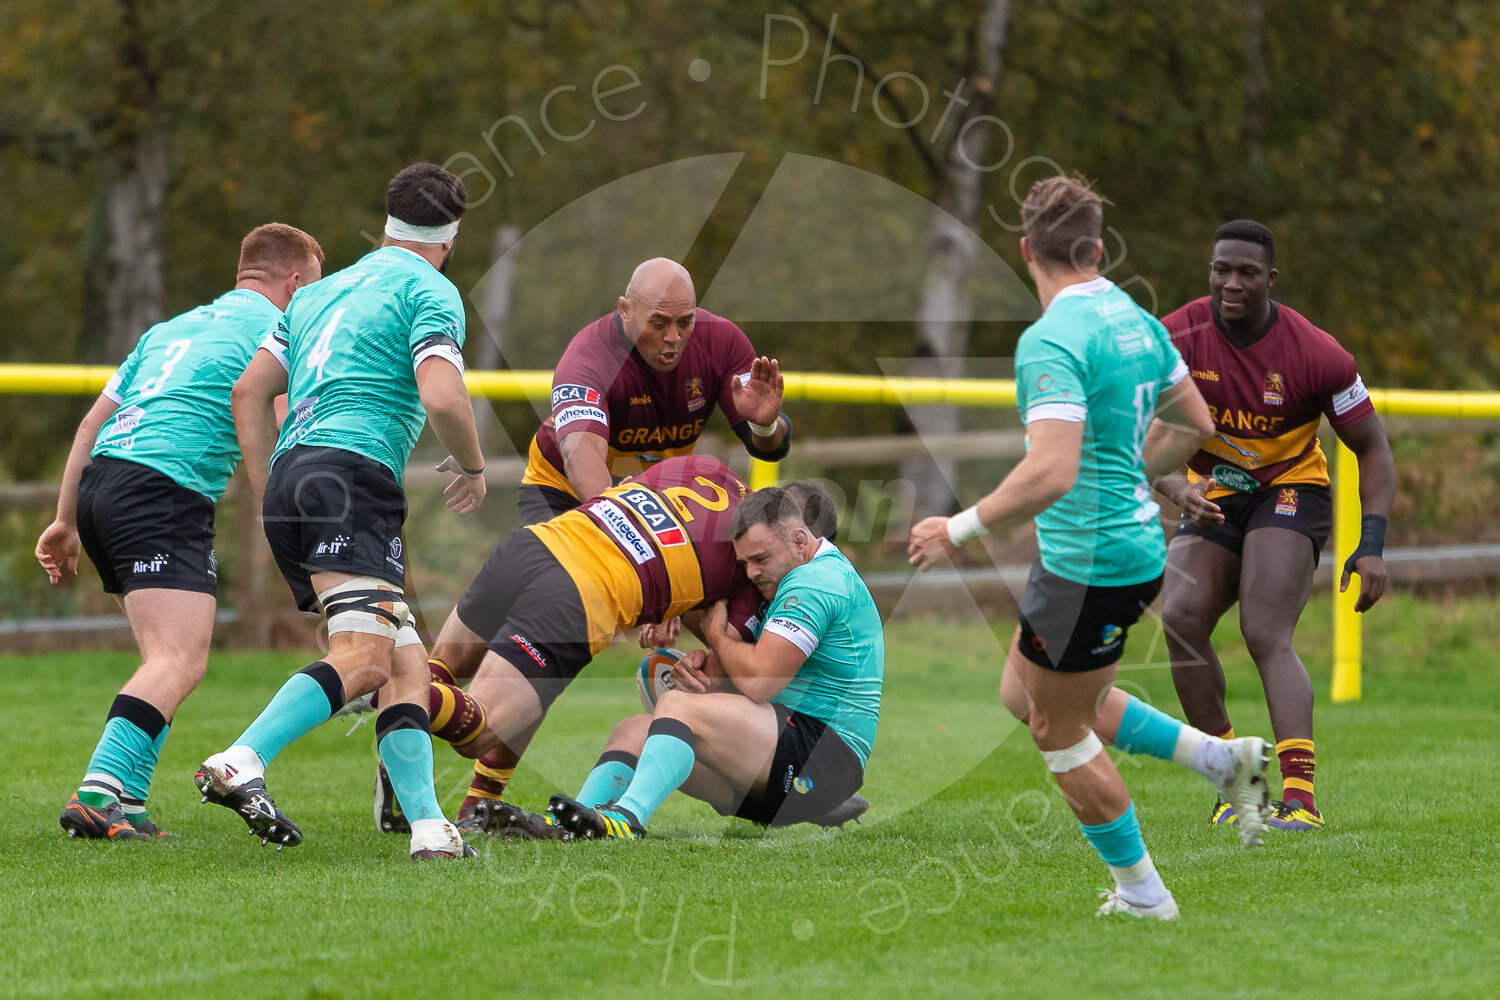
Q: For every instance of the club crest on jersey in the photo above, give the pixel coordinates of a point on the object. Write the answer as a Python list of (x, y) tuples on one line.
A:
[(658, 520), (1286, 502), (574, 394), (1274, 389), (695, 398)]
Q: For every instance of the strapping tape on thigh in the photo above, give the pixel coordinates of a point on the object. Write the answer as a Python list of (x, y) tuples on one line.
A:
[(366, 605)]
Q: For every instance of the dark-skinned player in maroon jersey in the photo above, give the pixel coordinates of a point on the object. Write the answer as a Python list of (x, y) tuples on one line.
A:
[(1255, 502), (634, 387)]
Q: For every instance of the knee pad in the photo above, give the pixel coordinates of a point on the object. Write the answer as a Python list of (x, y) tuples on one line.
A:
[(1075, 756), (365, 605)]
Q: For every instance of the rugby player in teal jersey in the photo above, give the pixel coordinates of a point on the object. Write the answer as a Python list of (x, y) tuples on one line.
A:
[(163, 448), (366, 357), (776, 731), (1108, 408)]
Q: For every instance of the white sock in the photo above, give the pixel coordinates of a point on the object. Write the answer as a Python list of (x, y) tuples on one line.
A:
[(1140, 883), (1212, 759)]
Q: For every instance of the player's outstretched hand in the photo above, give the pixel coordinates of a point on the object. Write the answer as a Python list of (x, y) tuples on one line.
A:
[(759, 398), (466, 492), (1372, 580), (928, 542), (656, 636), (57, 551)]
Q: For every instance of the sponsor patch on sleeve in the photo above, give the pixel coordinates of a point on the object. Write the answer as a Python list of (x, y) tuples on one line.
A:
[(579, 414), (1349, 398), (562, 395), (794, 632)]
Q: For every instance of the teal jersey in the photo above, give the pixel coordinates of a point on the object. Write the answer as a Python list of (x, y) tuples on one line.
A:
[(1098, 358), (173, 391), (824, 609), (351, 347)]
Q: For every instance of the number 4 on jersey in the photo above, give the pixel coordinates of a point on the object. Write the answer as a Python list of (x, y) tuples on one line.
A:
[(321, 351)]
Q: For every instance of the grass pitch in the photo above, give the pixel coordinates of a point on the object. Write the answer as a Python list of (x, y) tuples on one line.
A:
[(969, 877)]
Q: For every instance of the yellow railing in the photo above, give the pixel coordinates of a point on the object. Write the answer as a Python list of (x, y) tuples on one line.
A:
[(74, 380)]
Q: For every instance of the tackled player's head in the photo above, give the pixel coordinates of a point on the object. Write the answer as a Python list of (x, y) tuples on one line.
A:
[(658, 311), (770, 536), (1063, 222)]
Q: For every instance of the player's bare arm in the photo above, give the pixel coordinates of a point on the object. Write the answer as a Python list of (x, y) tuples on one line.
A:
[(1377, 487), (1039, 480), (253, 401), (760, 670), (1181, 425), (586, 462), (57, 548), (446, 400)]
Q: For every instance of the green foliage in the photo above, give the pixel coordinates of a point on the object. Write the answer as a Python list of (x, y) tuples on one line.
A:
[(1373, 154)]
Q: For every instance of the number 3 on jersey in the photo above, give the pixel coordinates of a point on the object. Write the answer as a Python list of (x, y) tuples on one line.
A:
[(175, 350), (321, 351)]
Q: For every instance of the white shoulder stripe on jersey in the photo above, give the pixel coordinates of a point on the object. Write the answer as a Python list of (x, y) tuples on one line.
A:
[(448, 351), (793, 632), (112, 388), (276, 347), (1179, 373), (1073, 413), (1349, 398)]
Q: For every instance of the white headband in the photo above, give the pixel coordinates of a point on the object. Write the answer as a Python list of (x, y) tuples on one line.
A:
[(408, 233)]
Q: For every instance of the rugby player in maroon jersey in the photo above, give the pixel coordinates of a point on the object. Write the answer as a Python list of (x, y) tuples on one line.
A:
[(1255, 501)]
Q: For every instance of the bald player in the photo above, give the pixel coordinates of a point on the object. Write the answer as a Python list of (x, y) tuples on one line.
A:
[(633, 388)]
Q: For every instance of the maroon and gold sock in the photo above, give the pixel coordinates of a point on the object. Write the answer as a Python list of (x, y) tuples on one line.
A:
[(1297, 766), (490, 779), (1226, 734), (440, 672), (455, 716)]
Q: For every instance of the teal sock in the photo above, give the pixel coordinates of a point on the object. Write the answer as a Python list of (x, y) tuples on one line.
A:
[(609, 779), (138, 785), (406, 751), (1147, 730), (303, 704), (666, 761), (129, 732), (1119, 841)]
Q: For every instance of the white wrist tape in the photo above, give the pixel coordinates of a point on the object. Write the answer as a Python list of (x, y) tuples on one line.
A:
[(1075, 756), (966, 526), (760, 430), (408, 233)]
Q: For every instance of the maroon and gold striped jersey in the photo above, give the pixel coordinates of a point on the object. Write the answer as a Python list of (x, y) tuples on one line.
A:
[(1266, 398), (649, 549), (602, 386)]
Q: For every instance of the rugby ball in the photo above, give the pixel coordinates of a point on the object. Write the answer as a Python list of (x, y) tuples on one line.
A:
[(653, 676)]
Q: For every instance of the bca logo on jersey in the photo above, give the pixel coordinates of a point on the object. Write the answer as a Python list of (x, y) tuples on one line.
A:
[(574, 394), (658, 520)]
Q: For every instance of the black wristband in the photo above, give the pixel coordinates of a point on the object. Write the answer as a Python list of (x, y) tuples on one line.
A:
[(1371, 540), (471, 472)]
